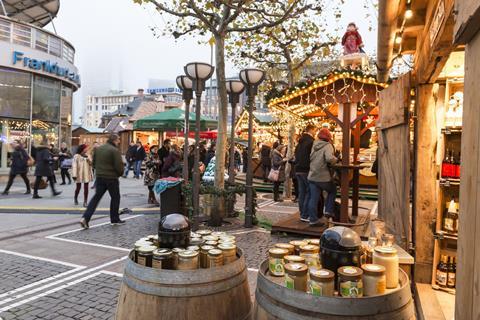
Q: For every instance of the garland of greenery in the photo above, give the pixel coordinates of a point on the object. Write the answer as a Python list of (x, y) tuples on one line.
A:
[(275, 93), (229, 193)]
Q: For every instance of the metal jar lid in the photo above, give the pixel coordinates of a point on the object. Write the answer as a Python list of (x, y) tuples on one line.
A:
[(313, 241), (373, 269), (193, 248), (287, 246), (218, 233), (321, 275), (146, 249), (293, 258), (204, 232), (350, 273), (310, 248), (389, 251), (215, 252), (206, 248), (296, 269), (177, 250), (227, 246), (210, 238), (298, 243), (277, 253), (188, 254), (162, 252)]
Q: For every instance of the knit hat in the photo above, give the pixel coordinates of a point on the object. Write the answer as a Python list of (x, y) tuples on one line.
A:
[(324, 134)]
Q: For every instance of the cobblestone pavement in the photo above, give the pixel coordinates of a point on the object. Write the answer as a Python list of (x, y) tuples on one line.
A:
[(94, 299), (17, 271)]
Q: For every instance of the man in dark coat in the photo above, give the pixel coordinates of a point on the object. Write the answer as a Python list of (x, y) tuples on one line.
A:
[(266, 160), (63, 155), (164, 151), (140, 155), (302, 167), (108, 164), (19, 166), (130, 157), (44, 168)]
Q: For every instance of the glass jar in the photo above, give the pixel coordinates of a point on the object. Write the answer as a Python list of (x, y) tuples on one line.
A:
[(276, 262), (311, 254), (204, 255), (288, 246), (321, 283), (296, 276), (350, 284), (187, 260), (215, 258), (297, 244), (229, 252), (374, 280), (387, 257), (144, 255), (138, 245), (388, 240), (293, 259), (175, 252), (162, 259)]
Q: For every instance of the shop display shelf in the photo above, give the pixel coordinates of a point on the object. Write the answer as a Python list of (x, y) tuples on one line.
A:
[(440, 235), (448, 290), (452, 130), (448, 182)]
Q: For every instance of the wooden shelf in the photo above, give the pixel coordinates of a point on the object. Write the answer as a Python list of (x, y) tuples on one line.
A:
[(440, 235), (449, 290), (452, 130), (448, 182)]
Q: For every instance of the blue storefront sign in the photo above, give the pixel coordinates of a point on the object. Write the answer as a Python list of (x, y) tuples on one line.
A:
[(46, 66)]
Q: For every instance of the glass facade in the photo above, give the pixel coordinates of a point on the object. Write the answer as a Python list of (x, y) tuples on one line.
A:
[(47, 102)]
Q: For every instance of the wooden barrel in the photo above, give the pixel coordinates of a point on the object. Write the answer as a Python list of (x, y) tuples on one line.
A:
[(215, 293), (274, 301)]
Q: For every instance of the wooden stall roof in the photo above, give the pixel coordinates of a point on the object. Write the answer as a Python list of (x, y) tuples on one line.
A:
[(344, 86)]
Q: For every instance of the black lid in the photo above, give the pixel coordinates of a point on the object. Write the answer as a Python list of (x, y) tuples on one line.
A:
[(174, 222), (340, 238)]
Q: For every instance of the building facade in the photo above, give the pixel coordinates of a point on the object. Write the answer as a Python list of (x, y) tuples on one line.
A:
[(37, 80), (98, 106)]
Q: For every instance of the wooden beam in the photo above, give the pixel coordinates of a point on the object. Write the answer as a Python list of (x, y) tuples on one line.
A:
[(468, 15), (387, 22), (409, 45)]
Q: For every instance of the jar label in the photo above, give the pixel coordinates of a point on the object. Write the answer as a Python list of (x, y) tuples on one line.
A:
[(351, 289), (289, 282), (276, 267), (315, 288), (142, 260), (441, 278), (157, 264), (381, 286), (451, 279), (448, 224)]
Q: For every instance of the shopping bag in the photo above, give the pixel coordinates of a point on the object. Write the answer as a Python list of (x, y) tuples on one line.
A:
[(273, 175)]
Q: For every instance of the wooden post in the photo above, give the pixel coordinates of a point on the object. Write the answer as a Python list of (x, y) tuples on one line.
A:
[(287, 192), (344, 183), (468, 253), (356, 173), (426, 171)]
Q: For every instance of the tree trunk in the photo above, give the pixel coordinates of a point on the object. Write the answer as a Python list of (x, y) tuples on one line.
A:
[(222, 112), (287, 190)]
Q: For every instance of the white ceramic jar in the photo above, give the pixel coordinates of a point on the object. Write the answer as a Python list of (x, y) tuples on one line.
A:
[(387, 257)]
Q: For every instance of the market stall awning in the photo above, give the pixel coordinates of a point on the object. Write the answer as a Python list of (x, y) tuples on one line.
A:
[(172, 120), (203, 134)]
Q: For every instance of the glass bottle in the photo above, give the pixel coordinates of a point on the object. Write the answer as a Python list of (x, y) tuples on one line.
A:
[(446, 165), (450, 217), (442, 272), (451, 278)]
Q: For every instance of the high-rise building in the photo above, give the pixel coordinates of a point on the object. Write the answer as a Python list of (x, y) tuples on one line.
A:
[(37, 77), (98, 106)]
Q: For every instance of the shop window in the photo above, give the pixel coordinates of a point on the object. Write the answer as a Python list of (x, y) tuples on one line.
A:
[(55, 46), (41, 41), (22, 35), (68, 52), (66, 105), (44, 133), (5, 30), (46, 99), (15, 88), (10, 130)]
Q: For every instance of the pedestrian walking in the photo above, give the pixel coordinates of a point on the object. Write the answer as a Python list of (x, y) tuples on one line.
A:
[(54, 163), (82, 172), (65, 160), (19, 166), (171, 165), (108, 164), (302, 167), (278, 170), (44, 168), (140, 156), (265, 160), (320, 177), (130, 158), (152, 173)]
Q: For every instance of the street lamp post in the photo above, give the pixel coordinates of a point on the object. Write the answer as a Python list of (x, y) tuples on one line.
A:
[(252, 79), (199, 73), (185, 84), (234, 89)]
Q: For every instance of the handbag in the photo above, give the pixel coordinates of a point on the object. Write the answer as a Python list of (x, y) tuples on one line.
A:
[(30, 161), (66, 164), (274, 175)]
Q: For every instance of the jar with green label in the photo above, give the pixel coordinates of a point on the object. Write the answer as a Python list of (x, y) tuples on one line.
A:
[(162, 259), (321, 283), (350, 284), (276, 262), (311, 254), (296, 276), (215, 258)]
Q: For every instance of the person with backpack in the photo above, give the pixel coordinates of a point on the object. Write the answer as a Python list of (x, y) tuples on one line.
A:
[(320, 177), (19, 166)]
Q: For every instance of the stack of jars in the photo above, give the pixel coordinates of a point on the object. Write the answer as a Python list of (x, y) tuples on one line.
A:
[(298, 262), (207, 249)]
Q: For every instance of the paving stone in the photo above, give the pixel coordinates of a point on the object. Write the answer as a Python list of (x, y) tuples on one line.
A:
[(20, 271)]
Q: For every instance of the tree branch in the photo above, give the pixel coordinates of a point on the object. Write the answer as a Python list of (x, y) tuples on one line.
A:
[(161, 7)]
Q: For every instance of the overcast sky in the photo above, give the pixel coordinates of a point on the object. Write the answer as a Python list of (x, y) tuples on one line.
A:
[(115, 48)]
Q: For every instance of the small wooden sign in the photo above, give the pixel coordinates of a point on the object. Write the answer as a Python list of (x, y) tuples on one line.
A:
[(437, 22)]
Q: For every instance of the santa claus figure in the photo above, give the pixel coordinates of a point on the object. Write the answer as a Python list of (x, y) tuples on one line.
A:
[(352, 41)]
